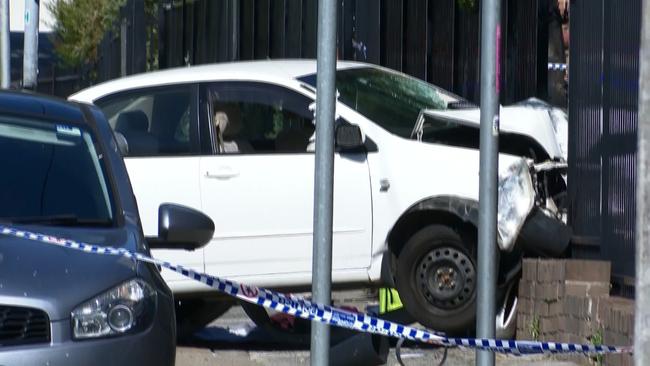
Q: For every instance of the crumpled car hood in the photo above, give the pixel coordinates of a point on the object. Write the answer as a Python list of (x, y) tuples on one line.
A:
[(533, 118)]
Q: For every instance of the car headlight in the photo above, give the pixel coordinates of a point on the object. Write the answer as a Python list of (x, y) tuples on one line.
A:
[(516, 199), (125, 308)]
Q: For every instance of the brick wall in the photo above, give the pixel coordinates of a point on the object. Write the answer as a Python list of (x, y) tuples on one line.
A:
[(568, 301)]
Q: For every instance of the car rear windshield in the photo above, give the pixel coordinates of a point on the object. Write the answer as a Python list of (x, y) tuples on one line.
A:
[(390, 99), (52, 174)]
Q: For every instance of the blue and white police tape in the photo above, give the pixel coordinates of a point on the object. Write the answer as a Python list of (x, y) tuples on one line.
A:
[(338, 317), (556, 66)]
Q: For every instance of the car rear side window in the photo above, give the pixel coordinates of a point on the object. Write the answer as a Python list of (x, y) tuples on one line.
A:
[(53, 173), (152, 122)]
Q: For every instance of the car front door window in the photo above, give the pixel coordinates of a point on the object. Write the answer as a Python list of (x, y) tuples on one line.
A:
[(250, 118)]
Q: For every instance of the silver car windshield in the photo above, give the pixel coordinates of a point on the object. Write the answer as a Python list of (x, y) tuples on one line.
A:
[(52, 174)]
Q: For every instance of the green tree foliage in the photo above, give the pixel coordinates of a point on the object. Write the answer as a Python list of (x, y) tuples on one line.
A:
[(151, 12), (80, 26), (467, 4)]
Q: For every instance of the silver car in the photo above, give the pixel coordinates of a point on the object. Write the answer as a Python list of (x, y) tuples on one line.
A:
[(62, 175)]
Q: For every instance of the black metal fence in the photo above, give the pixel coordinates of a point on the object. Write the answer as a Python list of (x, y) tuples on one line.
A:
[(436, 40), (126, 46), (603, 99)]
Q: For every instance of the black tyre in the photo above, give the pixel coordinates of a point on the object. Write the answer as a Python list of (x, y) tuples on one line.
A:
[(436, 280)]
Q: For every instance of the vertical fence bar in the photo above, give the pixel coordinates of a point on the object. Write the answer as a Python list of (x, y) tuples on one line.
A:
[(415, 38), (188, 32), (324, 176), (366, 38), (261, 36), (487, 225), (440, 60), (163, 30), (5, 53), (542, 43), (234, 25), (392, 33), (201, 29), (466, 53), (123, 48), (247, 26), (346, 27), (278, 28), (219, 32), (309, 22), (585, 126), (293, 46)]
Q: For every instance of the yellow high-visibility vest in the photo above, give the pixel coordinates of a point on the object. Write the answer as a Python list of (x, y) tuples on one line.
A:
[(389, 300)]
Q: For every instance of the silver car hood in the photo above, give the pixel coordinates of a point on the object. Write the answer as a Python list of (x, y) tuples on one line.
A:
[(57, 279)]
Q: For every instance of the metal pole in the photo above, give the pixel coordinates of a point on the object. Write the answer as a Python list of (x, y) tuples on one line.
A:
[(489, 145), (5, 48), (30, 53), (642, 303), (324, 176)]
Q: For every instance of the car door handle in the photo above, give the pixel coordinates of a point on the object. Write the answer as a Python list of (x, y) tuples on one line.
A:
[(222, 173)]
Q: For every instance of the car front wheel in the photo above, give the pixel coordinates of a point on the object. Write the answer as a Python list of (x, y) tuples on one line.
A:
[(436, 280)]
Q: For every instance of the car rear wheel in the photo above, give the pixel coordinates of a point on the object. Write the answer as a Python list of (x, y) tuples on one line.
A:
[(437, 278)]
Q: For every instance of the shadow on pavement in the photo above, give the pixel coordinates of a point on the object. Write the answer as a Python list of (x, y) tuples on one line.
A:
[(246, 337)]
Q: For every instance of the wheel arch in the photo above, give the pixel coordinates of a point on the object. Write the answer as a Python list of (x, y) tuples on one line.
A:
[(461, 214), (458, 213)]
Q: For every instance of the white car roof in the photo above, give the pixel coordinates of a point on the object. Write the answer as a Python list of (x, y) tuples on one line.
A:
[(273, 71)]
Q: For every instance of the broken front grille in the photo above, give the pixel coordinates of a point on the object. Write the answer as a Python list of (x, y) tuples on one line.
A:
[(20, 325)]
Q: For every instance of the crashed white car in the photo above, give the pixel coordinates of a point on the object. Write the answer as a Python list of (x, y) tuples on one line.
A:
[(233, 140)]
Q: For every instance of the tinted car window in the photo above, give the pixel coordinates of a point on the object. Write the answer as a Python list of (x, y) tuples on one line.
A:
[(152, 122), (259, 118), (52, 173)]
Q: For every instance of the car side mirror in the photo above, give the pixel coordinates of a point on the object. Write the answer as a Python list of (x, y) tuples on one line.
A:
[(181, 227), (348, 137)]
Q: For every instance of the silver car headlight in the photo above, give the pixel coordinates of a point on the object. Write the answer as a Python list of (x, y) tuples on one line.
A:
[(516, 199), (125, 308)]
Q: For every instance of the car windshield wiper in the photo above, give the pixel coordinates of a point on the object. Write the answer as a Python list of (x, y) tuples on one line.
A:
[(58, 220)]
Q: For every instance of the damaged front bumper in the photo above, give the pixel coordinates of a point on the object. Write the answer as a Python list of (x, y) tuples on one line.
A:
[(545, 232), (532, 210), (544, 235)]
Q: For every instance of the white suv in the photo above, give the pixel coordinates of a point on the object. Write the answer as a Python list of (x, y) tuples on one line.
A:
[(234, 141)]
